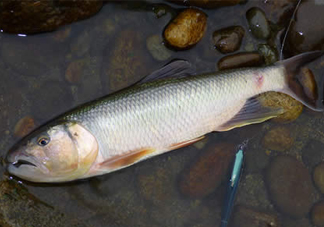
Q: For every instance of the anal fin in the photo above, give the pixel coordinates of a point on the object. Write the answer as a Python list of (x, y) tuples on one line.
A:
[(185, 143), (127, 159), (252, 112)]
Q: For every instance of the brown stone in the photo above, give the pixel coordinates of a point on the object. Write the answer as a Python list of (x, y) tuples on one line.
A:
[(317, 214), (240, 60), (186, 29), (278, 139), (24, 126), (229, 39)]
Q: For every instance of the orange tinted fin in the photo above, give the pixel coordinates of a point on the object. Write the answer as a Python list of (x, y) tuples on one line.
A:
[(130, 158), (185, 143)]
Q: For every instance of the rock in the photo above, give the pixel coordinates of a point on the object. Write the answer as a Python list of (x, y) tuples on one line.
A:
[(280, 12), (317, 214), (74, 71), (247, 217), (186, 29), (29, 17), (228, 39), (258, 23), (290, 186), (293, 222), (240, 60), (278, 139), (24, 126), (268, 53), (126, 63), (318, 177), (207, 3), (308, 82), (16, 201), (253, 192), (302, 37), (313, 153), (157, 49), (206, 174), (292, 107)]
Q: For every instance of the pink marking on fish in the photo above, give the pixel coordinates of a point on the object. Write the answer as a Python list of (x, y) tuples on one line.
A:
[(258, 79)]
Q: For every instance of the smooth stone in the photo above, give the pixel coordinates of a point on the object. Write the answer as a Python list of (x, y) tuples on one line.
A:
[(318, 177), (258, 23), (228, 40), (240, 60)]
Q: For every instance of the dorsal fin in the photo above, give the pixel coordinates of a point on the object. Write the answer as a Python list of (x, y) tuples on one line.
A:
[(175, 69)]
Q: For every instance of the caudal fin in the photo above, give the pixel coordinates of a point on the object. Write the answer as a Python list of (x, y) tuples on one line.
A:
[(294, 87)]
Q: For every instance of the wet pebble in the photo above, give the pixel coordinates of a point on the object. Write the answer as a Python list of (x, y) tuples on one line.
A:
[(307, 79), (258, 23), (240, 60), (290, 186), (186, 29), (229, 39), (207, 172), (303, 35), (24, 126), (157, 49), (247, 217), (313, 153), (292, 107), (318, 177), (317, 214), (278, 139)]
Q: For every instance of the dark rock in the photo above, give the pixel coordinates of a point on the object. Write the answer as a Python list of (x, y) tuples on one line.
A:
[(229, 39), (317, 214), (290, 186), (318, 177), (280, 12), (269, 53), (247, 217), (207, 3), (313, 153), (306, 31), (240, 60), (40, 16), (186, 29), (258, 23), (207, 173), (278, 139)]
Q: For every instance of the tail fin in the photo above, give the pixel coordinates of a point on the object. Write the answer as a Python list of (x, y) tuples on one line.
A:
[(294, 87)]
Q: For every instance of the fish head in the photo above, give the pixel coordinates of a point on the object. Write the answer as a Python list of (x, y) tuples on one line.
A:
[(56, 153)]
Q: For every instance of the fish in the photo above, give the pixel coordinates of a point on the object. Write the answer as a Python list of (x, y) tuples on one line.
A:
[(233, 184), (167, 110)]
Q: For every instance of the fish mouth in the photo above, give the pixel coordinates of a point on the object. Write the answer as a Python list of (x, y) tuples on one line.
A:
[(20, 162)]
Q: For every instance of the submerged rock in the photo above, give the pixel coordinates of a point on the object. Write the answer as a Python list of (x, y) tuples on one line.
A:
[(318, 177), (157, 49), (207, 3), (19, 208), (247, 217), (303, 35), (40, 16), (269, 53), (290, 186), (24, 126), (207, 172), (229, 39), (317, 214), (313, 153), (278, 139), (292, 107), (258, 23), (240, 60), (186, 29)]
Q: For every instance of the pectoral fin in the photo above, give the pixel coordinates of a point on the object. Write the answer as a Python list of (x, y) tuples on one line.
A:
[(127, 159), (251, 113)]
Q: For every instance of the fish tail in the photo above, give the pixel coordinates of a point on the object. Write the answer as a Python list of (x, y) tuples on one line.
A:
[(298, 89)]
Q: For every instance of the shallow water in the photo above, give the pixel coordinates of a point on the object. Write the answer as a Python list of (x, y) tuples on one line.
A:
[(113, 44)]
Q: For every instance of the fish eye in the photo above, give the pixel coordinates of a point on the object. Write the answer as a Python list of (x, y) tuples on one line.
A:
[(43, 141)]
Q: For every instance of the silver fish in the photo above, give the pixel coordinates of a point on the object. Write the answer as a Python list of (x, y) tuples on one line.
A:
[(151, 118)]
